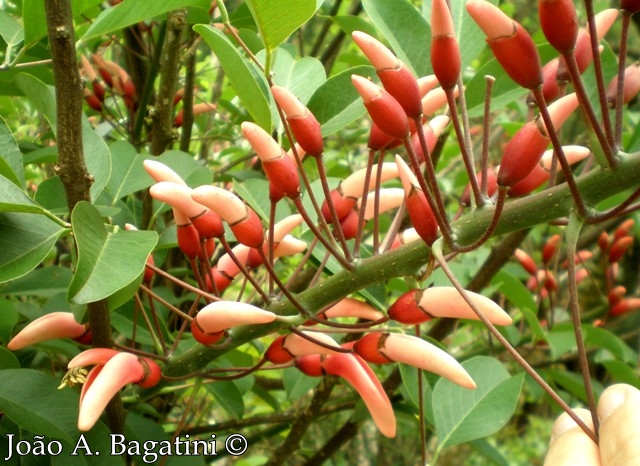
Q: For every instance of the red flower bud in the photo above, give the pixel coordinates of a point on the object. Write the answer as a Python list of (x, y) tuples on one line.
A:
[(616, 295), (396, 78), (630, 6), (349, 224), (303, 123), (420, 212), (527, 146), (631, 86), (526, 261), (384, 110), (512, 46), (619, 247), (445, 53), (550, 81), (623, 229), (559, 23), (624, 306), (604, 242), (492, 187), (550, 247)]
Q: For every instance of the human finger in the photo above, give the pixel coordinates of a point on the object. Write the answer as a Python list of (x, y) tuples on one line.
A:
[(618, 410), (570, 445)]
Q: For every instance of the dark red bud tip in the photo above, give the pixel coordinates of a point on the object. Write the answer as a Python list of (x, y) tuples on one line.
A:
[(492, 187), (152, 373), (559, 23), (403, 86), (93, 102), (630, 6), (619, 248), (349, 224), (248, 231), (209, 224), (276, 353), (310, 364), (550, 88), (307, 132), (368, 348), (283, 176), (221, 279), (148, 272), (550, 247), (188, 240), (445, 59), (536, 178), (624, 306), (378, 139), (98, 90), (521, 154), (343, 205), (86, 338), (201, 336), (406, 309), (422, 216), (384, 109), (518, 56)]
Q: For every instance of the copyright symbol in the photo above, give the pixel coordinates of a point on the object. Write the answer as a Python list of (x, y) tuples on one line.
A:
[(236, 444)]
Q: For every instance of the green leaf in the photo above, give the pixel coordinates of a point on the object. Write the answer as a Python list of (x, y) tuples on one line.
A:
[(336, 103), (8, 360), (405, 29), (228, 396), (462, 415), (31, 399), (127, 173), (51, 196), (278, 20), (621, 372), (11, 165), (14, 199), (41, 95), (514, 290), (296, 384), (302, 77), (573, 383), (10, 30), (604, 339), (561, 339), (35, 21), (97, 158), (250, 85), (107, 261), (42, 282), (409, 376), (25, 240), (193, 173), (252, 191), (132, 11), (8, 319)]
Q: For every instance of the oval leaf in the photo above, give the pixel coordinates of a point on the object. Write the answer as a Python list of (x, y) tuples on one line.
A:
[(462, 415), (132, 11), (31, 399), (12, 166), (249, 84), (107, 261), (278, 20), (25, 240), (14, 199), (336, 103), (405, 29)]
